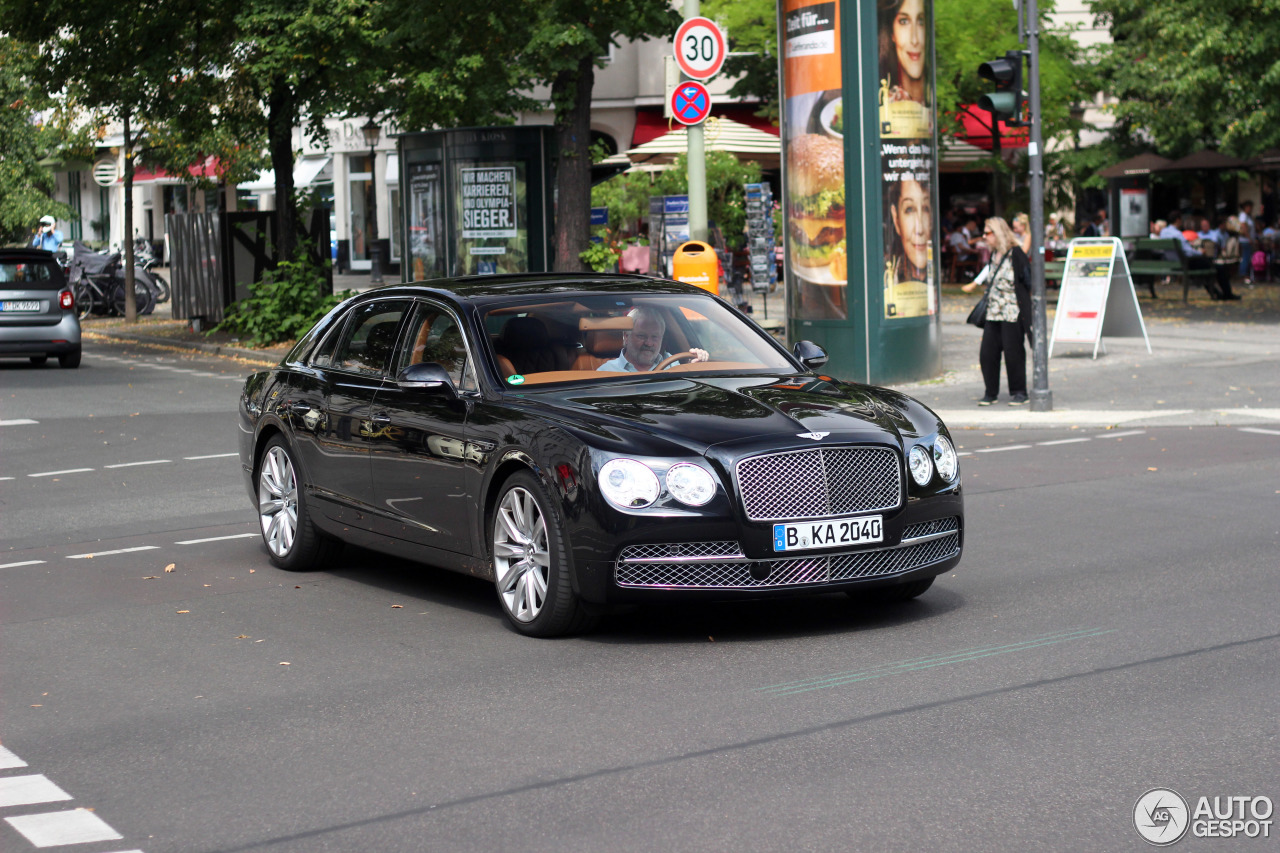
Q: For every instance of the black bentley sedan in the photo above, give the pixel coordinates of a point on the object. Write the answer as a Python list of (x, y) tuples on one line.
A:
[(588, 440)]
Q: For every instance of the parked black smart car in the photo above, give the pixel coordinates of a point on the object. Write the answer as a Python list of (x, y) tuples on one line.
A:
[(508, 427)]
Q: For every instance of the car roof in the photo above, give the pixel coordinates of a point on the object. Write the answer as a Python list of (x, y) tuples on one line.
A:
[(27, 255), (483, 289)]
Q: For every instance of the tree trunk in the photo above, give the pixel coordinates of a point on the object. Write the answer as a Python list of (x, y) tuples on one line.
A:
[(130, 302), (280, 121), (573, 164)]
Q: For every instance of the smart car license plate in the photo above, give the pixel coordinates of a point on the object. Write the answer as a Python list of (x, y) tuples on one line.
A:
[(829, 533), (14, 305)]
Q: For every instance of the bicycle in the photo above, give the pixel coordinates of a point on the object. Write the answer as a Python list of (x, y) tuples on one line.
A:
[(102, 292), (144, 257)]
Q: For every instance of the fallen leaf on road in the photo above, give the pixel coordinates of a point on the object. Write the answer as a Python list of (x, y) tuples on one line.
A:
[(208, 584), (170, 567), (1153, 469), (152, 578), (397, 607), (285, 663), (242, 636), (251, 571), (184, 611)]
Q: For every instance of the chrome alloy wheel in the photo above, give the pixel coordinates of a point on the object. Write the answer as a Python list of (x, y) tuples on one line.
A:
[(278, 501), (521, 556)]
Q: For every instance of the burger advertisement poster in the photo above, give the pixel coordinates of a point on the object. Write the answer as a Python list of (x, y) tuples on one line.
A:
[(814, 124)]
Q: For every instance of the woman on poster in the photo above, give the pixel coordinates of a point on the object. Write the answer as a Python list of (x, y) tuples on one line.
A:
[(904, 50), (911, 214)]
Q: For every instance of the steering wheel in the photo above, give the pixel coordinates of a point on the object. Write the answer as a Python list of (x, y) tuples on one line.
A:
[(672, 359)]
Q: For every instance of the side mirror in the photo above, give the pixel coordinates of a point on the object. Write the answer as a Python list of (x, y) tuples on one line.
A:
[(809, 354), (427, 375)]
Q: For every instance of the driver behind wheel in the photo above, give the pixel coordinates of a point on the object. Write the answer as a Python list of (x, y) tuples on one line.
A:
[(642, 345)]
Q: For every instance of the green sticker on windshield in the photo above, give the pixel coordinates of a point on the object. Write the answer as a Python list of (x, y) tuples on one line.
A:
[(515, 379)]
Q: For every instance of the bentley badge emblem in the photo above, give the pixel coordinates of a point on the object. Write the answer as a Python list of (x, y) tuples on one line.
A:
[(816, 436)]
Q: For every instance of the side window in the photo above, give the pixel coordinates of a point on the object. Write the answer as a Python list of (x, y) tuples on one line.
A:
[(365, 347), (434, 336), (322, 356)]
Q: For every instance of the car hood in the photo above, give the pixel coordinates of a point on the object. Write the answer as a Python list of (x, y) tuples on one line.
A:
[(700, 412)]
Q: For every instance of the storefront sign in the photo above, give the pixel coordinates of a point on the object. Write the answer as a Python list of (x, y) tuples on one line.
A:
[(1097, 296)]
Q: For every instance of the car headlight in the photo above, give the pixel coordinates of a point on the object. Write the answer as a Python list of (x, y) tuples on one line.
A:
[(628, 484), (921, 467), (944, 456), (690, 484)]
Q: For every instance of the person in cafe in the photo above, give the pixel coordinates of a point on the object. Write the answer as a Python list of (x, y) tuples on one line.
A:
[(642, 344), (1196, 259)]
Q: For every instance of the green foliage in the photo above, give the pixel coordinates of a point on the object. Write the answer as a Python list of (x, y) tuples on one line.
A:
[(753, 32), (726, 177), (283, 305), (627, 197), (25, 185), (601, 257), (1192, 75)]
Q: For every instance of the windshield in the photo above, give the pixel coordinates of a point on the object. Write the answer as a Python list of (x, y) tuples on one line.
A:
[(586, 337)]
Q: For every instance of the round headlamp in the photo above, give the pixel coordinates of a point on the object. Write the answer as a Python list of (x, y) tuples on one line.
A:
[(944, 456), (690, 484), (628, 484), (921, 467)]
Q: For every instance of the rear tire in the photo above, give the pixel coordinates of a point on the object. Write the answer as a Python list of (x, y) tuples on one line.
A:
[(38, 360), (530, 562), (69, 359), (162, 289), (292, 540), (143, 298)]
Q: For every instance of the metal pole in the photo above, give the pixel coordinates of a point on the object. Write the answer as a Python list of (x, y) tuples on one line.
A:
[(697, 159), (371, 231), (1041, 396)]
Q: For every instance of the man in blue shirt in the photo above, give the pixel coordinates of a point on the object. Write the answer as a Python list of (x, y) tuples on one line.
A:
[(48, 237), (642, 345)]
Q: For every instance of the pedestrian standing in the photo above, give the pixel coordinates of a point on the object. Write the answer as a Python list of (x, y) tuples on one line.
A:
[(48, 237), (1008, 320)]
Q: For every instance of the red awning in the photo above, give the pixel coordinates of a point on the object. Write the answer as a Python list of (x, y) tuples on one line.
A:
[(206, 168), (650, 124), (977, 130)]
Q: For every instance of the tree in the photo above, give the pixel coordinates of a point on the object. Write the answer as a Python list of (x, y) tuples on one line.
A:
[(727, 177), (568, 40), (753, 35), (1191, 75), (26, 187)]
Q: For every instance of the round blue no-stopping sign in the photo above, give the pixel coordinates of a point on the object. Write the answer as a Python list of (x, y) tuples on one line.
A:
[(691, 103)]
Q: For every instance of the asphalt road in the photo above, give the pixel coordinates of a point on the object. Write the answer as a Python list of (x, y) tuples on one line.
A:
[(1112, 628)]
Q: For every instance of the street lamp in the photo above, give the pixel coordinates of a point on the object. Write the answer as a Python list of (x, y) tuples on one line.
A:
[(371, 133)]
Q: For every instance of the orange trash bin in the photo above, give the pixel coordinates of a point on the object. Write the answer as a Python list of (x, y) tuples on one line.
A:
[(696, 263)]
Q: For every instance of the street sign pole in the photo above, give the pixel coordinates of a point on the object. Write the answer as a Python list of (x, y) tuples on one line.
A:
[(1041, 396), (697, 161)]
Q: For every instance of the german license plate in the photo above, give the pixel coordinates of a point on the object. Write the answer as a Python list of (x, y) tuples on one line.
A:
[(13, 305), (829, 533)]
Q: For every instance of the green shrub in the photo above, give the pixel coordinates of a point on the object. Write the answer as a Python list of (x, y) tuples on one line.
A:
[(283, 305), (601, 257)]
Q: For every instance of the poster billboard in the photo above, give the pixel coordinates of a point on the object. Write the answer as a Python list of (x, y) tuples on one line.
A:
[(490, 208), (908, 166), (426, 221), (817, 261)]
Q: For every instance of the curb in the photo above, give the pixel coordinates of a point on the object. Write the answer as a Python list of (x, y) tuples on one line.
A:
[(256, 356)]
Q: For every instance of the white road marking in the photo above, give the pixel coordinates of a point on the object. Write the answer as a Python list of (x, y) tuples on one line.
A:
[(53, 829), (210, 456), (14, 566), (132, 464), (56, 473), (1006, 447), (1260, 430), (8, 760), (109, 553), (210, 539), (30, 790), (18, 422), (1061, 441), (8, 478), (1124, 434)]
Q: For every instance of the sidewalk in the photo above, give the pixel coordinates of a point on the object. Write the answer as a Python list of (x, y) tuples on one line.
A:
[(1211, 363)]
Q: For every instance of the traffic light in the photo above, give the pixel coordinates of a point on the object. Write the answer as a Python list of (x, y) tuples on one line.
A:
[(1006, 101)]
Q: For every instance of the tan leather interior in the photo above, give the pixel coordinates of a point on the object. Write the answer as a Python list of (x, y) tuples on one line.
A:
[(599, 346), (505, 367), (420, 345)]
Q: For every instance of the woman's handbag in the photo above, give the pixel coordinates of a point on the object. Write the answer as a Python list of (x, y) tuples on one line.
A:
[(978, 316)]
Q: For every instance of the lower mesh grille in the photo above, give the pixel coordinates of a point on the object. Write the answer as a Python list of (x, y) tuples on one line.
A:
[(643, 565)]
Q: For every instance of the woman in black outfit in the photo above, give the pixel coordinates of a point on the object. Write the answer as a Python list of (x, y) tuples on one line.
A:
[(1008, 314)]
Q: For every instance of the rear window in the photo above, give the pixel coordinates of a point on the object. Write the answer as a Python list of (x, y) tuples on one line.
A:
[(33, 275)]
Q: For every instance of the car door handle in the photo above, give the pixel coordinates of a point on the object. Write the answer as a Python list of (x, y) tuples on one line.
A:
[(381, 419), (300, 408)]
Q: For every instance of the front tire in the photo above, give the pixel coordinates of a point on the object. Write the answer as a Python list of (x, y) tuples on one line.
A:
[(292, 540), (530, 562)]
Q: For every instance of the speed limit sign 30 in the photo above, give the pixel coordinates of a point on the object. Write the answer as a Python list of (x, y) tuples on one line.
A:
[(699, 48)]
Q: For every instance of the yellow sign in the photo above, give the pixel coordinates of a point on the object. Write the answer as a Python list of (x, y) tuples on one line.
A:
[(1099, 251)]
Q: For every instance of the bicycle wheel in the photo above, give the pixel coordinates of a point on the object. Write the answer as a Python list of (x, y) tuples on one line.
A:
[(162, 289), (142, 298), (84, 296)]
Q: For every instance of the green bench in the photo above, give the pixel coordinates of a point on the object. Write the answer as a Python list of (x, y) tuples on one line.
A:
[(1148, 261), (1053, 272)]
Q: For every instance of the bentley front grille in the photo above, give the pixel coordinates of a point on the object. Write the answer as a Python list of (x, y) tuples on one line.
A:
[(723, 566), (820, 483)]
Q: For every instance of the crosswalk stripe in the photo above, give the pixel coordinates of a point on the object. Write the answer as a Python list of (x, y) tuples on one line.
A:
[(29, 791), (53, 829)]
